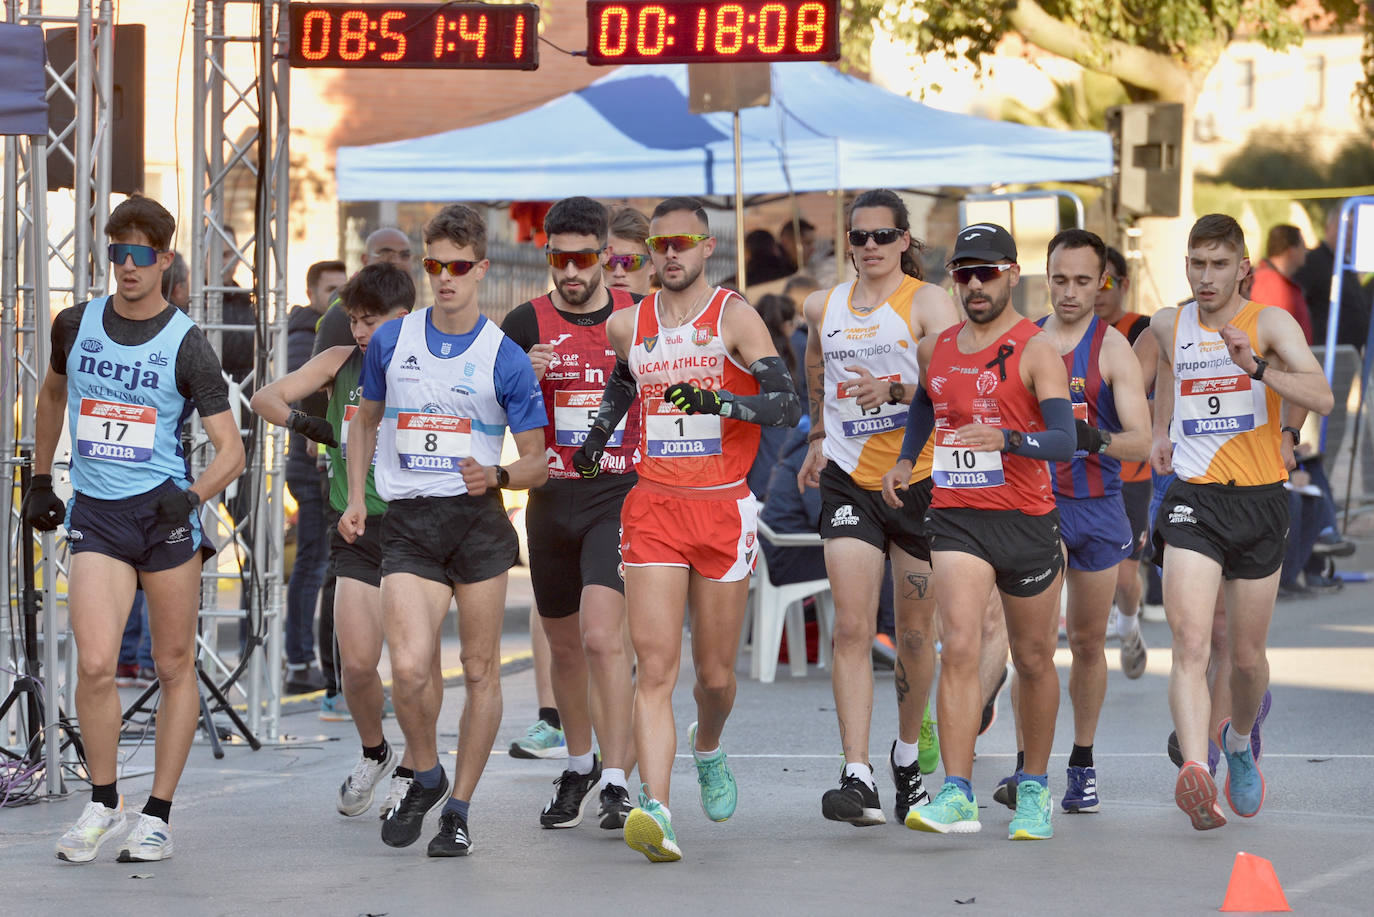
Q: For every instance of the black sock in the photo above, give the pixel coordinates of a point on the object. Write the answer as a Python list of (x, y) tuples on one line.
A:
[(1081, 756), (405, 772), (550, 716), (105, 794), (375, 752), (1020, 761), (159, 808)]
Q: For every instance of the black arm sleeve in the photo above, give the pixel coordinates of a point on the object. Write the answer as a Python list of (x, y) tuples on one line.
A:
[(920, 421), (776, 404), (521, 325), (620, 393), (198, 374), (1058, 440)]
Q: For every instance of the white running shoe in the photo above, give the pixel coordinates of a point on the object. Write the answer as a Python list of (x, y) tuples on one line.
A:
[(150, 841), (358, 788), (395, 793), (97, 824)]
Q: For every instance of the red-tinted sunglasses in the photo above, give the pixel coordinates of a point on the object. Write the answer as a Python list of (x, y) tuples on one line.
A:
[(455, 268)]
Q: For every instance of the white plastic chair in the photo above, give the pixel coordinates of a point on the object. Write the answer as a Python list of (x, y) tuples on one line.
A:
[(770, 606)]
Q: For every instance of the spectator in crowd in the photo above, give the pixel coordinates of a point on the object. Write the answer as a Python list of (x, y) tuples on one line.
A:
[(1284, 254), (764, 259), (781, 318), (1315, 279), (791, 246), (176, 283)]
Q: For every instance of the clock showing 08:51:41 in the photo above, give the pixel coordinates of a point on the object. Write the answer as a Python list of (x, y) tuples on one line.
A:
[(407, 35), (706, 31)]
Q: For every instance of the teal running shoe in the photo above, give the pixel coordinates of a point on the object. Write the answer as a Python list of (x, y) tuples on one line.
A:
[(1032, 819), (1244, 782), (718, 792), (540, 741), (648, 830), (951, 813), (928, 745)]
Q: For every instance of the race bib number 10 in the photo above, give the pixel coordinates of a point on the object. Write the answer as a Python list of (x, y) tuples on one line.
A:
[(115, 432), (956, 465), (432, 442), (669, 433)]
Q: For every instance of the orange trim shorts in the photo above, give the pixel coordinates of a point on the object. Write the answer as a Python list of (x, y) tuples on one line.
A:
[(713, 532)]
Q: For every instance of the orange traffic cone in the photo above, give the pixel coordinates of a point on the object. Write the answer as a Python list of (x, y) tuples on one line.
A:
[(1254, 886)]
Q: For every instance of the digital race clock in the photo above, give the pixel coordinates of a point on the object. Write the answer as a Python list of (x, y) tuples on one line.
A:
[(704, 31), (407, 35)]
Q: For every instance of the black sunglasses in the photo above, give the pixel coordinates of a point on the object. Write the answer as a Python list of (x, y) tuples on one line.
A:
[(860, 237)]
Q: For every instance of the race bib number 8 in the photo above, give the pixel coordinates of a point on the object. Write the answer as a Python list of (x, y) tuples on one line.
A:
[(1219, 405), (669, 433), (432, 442), (111, 431), (855, 421), (573, 413), (956, 465)]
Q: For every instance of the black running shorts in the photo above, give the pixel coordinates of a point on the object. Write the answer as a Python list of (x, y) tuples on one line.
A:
[(1136, 496), (462, 539), (361, 560), (1245, 529), (1024, 550), (573, 528), (849, 511)]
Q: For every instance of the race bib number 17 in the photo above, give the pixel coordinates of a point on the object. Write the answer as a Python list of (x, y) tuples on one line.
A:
[(112, 431)]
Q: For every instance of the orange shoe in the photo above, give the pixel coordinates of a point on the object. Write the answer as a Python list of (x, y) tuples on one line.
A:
[(1196, 794)]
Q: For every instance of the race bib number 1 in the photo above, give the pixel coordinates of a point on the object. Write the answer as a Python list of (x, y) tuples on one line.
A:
[(432, 442), (669, 433), (1218, 405), (956, 465), (573, 413), (112, 431)]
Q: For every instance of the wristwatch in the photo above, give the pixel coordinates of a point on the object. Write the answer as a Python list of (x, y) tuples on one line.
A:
[(502, 477), (1297, 434), (1260, 365), (895, 393)]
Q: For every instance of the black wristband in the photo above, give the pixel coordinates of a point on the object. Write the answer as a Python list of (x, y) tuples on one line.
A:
[(1011, 440), (502, 477), (1261, 365), (1297, 434)]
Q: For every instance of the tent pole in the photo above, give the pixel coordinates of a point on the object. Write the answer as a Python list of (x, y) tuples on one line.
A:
[(740, 279)]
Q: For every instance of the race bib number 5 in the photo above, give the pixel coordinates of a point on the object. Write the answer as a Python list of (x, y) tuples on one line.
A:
[(573, 413), (1218, 405), (669, 433), (432, 442), (115, 432), (956, 465)]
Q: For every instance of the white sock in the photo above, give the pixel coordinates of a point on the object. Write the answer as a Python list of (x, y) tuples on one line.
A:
[(706, 755), (1127, 624), (863, 771), (614, 776), (904, 755), (1236, 741), (582, 764)]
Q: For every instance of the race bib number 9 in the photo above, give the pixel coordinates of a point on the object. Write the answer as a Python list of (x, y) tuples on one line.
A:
[(956, 465), (432, 442), (573, 413), (669, 433), (1219, 405), (111, 431), (855, 421)]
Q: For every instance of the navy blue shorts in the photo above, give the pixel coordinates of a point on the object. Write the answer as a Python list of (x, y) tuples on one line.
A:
[(1096, 531), (128, 530)]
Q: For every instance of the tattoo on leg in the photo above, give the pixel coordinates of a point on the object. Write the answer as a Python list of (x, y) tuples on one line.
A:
[(917, 585), (913, 640), (901, 681)]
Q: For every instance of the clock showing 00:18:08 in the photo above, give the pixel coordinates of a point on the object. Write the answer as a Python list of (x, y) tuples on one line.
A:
[(409, 35), (647, 32)]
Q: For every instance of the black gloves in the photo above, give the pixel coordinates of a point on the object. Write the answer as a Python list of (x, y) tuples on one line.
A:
[(41, 508), (175, 507), (586, 461), (1090, 438), (689, 399), (311, 427)]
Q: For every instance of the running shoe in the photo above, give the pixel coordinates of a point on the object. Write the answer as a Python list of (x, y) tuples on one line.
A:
[(1213, 753), (540, 741), (884, 652), (570, 795), (854, 801), (1081, 796), (1259, 721), (97, 824), (1032, 819), (395, 792), (648, 830), (148, 842), (1006, 791), (127, 675), (990, 708), (335, 709), (911, 790), (928, 744), (358, 788), (1133, 654), (1244, 782), (1196, 794), (453, 839), (403, 824), (950, 813), (615, 806), (718, 792)]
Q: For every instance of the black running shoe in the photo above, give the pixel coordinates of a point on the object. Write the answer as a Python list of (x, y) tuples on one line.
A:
[(615, 806), (854, 801), (990, 708), (452, 839), (403, 824), (911, 790), (572, 790)]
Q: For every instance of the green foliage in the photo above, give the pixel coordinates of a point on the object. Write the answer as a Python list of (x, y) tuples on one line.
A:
[(1274, 162), (1353, 165), (1080, 105)]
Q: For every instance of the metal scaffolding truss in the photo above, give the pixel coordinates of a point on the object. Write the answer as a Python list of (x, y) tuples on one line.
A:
[(254, 102)]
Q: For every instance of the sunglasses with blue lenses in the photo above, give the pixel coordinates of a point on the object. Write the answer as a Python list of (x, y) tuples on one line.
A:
[(143, 255)]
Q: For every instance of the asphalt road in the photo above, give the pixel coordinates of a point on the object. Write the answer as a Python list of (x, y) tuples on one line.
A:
[(257, 832)]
